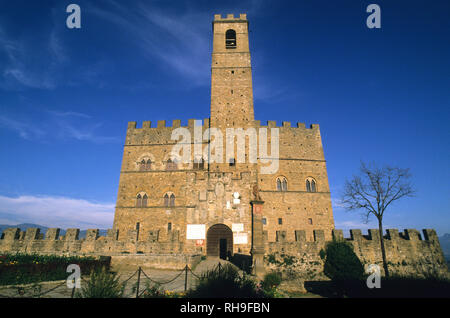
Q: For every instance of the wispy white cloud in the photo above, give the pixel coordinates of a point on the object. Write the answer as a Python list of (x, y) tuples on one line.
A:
[(68, 127), (21, 68), (182, 43), (24, 130), (53, 211)]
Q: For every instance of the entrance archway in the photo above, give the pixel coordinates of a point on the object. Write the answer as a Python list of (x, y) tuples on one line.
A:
[(219, 241)]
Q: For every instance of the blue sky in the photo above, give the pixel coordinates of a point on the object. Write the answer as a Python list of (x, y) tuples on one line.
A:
[(66, 95)]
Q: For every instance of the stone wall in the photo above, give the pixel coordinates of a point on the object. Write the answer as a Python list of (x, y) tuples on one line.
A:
[(408, 253)]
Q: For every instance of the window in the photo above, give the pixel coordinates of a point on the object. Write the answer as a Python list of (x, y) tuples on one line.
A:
[(142, 165), (171, 164), (138, 226), (199, 164), (264, 221), (230, 39), (144, 201), (280, 221), (310, 221), (169, 226), (232, 162), (145, 165), (169, 200), (281, 184), (139, 201), (166, 200), (311, 185)]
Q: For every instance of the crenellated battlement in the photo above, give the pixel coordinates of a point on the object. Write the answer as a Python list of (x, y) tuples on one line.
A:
[(356, 235), (176, 123), (34, 234), (285, 124), (230, 17)]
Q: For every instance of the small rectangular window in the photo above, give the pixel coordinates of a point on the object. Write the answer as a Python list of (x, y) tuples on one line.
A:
[(169, 226), (264, 221), (280, 221), (310, 221)]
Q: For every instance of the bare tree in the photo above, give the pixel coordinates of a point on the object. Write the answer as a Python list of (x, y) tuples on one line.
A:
[(373, 190)]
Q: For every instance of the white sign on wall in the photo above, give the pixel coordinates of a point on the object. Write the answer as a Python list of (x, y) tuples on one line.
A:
[(240, 238), (237, 227), (196, 232)]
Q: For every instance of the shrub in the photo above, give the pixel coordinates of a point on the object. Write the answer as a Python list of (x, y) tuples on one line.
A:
[(155, 291), (270, 283), (32, 268), (152, 291), (342, 263), (271, 280), (102, 284), (224, 282)]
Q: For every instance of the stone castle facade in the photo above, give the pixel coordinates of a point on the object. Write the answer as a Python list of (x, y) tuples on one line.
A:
[(161, 196), (171, 211)]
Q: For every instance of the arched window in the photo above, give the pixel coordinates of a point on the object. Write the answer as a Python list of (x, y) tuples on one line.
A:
[(144, 201), (311, 185), (142, 165), (139, 201), (145, 165), (171, 164), (281, 184), (166, 200), (284, 184), (172, 200), (230, 39)]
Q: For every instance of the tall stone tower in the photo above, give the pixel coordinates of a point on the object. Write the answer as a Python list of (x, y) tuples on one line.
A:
[(231, 73)]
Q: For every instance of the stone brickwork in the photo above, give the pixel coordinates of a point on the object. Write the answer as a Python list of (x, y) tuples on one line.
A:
[(408, 253)]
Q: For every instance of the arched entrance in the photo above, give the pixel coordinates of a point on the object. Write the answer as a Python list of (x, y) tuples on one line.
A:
[(219, 241)]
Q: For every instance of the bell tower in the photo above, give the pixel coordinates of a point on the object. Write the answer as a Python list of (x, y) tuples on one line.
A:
[(231, 73)]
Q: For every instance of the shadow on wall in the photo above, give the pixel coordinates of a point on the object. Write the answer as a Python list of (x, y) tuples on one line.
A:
[(244, 262)]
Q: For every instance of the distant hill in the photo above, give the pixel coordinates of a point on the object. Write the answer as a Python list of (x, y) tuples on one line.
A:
[(25, 226)]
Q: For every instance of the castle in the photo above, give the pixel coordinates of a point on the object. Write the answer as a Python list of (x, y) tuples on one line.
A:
[(173, 207), (159, 195)]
